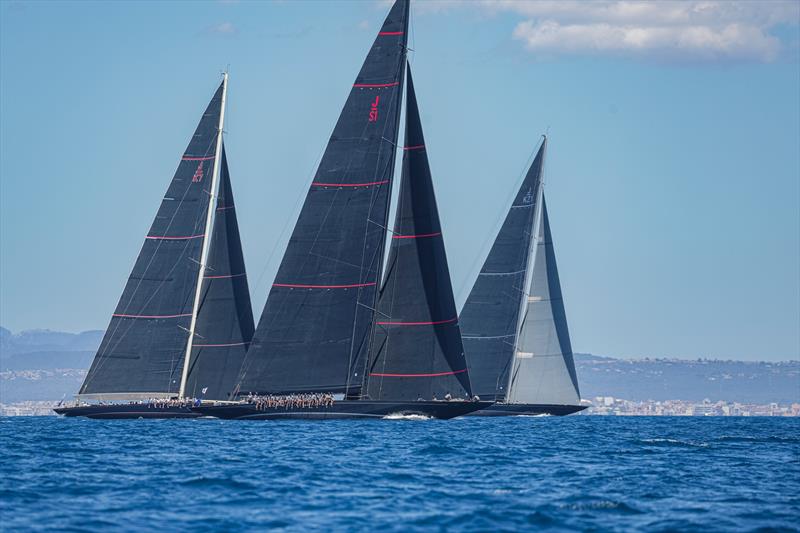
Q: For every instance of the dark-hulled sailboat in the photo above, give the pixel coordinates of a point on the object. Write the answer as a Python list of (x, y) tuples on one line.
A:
[(514, 324), (326, 328), (184, 320)]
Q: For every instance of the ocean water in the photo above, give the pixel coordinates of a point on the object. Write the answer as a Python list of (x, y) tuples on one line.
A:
[(552, 474)]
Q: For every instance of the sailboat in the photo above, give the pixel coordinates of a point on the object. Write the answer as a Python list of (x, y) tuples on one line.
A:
[(184, 320), (514, 324), (326, 328)]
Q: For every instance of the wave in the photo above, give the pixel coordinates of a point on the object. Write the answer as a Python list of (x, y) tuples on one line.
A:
[(401, 416), (674, 442)]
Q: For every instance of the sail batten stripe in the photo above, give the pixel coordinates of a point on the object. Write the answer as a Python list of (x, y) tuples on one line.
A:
[(175, 238), (417, 147), (390, 33), (435, 375), (223, 208), (120, 315), (434, 323), (197, 158), (225, 276), (375, 85), (418, 236), (307, 286), (219, 345), (365, 184)]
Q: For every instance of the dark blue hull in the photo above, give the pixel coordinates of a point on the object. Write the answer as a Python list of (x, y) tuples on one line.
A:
[(127, 411), (528, 409), (342, 409)]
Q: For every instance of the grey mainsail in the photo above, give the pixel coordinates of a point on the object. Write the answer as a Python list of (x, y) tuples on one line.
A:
[(543, 371), (490, 317)]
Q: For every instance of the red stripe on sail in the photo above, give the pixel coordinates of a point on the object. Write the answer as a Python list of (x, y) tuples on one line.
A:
[(197, 158), (375, 85), (366, 184), (150, 316), (223, 208), (178, 238), (418, 375), (436, 323), (419, 236), (301, 286), (390, 33), (417, 147)]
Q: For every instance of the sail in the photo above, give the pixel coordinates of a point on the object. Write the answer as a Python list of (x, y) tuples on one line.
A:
[(416, 347), (318, 314), (490, 316), (544, 369), (224, 325), (143, 348)]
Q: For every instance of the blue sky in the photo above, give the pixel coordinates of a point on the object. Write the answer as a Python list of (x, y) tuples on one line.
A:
[(673, 173)]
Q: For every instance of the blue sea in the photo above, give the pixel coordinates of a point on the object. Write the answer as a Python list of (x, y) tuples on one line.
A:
[(585, 473)]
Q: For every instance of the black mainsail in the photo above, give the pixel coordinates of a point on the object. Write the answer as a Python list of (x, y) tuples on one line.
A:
[(144, 351), (319, 312), (416, 346), (491, 315)]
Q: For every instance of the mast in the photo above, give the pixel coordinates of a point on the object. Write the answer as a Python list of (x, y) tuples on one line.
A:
[(206, 238), (523, 305)]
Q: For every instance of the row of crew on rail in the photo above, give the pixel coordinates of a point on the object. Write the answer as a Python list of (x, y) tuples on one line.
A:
[(291, 401)]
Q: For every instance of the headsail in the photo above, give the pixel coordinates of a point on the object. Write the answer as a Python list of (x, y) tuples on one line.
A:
[(143, 349), (490, 317), (544, 369), (416, 347), (224, 325), (318, 314)]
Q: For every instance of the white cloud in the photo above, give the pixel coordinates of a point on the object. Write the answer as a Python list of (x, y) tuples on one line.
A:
[(223, 28), (698, 30)]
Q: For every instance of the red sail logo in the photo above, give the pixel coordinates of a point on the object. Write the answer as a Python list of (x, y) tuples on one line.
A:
[(373, 111), (198, 174)]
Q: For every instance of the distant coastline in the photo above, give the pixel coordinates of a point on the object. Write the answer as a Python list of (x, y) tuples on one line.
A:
[(46, 366)]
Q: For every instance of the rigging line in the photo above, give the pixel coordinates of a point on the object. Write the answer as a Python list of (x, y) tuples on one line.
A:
[(302, 193)]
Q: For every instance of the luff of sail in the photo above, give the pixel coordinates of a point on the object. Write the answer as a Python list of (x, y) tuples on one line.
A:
[(544, 370), (319, 311), (491, 315), (224, 325), (142, 351), (416, 348)]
